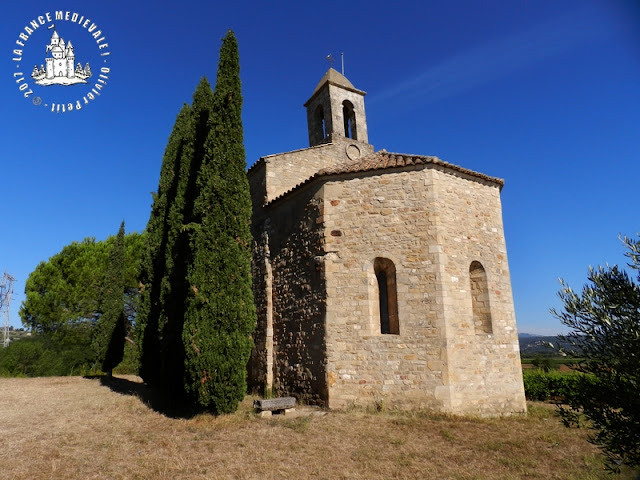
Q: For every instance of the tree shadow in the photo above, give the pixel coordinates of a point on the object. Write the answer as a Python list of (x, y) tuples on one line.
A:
[(123, 386), (171, 407)]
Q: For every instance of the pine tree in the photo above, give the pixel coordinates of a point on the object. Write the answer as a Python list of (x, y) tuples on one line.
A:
[(220, 313), (110, 331)]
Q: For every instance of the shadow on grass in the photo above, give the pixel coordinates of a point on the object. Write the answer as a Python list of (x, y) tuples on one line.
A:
[(123, 386), (166, 405)]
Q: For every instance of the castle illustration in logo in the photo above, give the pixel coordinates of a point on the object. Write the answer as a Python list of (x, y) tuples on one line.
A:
[(58, 68)]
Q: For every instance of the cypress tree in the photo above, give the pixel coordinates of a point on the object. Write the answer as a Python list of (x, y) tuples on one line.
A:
[(219, 309), (179, 254), (151, 315), (108, 340), (167, 253)]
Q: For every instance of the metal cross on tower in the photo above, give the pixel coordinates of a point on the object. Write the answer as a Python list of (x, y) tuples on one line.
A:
[(330, 59), (6, 289)]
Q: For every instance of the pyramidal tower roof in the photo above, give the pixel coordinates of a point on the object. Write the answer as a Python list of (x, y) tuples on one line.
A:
[(334, 77)]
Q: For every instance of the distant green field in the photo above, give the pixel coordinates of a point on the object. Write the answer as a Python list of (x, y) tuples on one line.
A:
[(554, 360)]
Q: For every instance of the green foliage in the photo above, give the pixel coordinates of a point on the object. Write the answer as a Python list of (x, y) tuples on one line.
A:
[(543, 363), (197, 311), (66, 352), (130, 360), (220, 313), (158, 257), (605, 323), (180, 216), (168, 250), (552, 361), (110, 330), (66, 290), (64, 301), (21, 359), (541, 384)]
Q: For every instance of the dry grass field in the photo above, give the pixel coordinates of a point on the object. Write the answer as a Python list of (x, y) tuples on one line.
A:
[(75, 428)]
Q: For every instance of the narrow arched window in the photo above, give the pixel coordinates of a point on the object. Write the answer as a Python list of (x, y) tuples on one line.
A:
[(319, 124), (480, 298), (349, 117), (385, 272)]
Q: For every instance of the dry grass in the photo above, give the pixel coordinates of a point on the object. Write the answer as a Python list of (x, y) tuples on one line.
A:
[(75, 428)]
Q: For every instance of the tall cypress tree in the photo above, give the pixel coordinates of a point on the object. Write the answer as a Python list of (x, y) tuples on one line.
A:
[(108, 340), (151, 315), (179, 256), (219, 310), (168, 252)]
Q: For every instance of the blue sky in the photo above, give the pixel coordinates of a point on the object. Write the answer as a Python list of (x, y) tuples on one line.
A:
[(544, 94)]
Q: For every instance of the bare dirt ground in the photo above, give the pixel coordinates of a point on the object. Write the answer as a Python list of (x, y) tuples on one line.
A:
[(76, 428)]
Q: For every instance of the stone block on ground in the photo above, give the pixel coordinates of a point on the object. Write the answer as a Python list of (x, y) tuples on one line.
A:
[(272, 404)]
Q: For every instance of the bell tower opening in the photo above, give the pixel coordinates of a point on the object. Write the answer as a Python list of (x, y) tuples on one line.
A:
[(335, 111), (349, 116), (319, 124)]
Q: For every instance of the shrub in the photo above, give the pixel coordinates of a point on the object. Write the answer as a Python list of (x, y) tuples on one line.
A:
[(551, 385), (604, 319), (130, 362), (66, 353), (544, 363)]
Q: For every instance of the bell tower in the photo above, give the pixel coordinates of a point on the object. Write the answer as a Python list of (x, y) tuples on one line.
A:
[(335, 111)]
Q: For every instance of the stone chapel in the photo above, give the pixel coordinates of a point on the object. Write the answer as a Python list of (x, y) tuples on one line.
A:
[(379, 278)]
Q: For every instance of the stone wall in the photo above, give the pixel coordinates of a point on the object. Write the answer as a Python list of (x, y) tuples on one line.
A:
[(485, 370), (366, 217), (330, 98), (276, 174), (290, 297), (260, 366), (339, 95), (315, 258), (432, 224)]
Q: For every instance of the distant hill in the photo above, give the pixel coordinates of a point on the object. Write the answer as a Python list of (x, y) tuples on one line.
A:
[(520, 335), (531, 345)]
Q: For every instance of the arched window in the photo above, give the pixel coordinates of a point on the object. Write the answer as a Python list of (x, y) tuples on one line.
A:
[(349, 117), (385, 272), (319, 125), (480, 298)]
